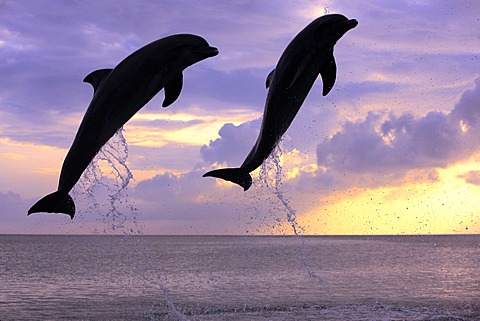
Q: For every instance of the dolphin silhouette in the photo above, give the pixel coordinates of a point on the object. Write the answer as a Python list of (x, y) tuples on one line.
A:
[(119, 93), (309, 54)]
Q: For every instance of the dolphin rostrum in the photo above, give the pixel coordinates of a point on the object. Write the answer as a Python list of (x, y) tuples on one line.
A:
[(309, 54), (119, 93)]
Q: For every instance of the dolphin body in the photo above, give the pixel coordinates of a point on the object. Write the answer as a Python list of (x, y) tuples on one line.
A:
[(119, 93), (309, 54)]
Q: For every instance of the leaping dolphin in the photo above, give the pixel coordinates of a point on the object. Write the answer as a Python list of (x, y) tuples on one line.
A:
[(119, 93), (309, 54)]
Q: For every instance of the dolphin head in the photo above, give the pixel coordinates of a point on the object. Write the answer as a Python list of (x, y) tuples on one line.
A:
[(330, 28), (192, 49)]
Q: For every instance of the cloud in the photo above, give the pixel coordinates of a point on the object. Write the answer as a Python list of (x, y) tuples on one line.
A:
[(192, 203), (401, 52), (14, 219), (472, 177), (12, 204), (234, 144), (397, 144), (47, 51)]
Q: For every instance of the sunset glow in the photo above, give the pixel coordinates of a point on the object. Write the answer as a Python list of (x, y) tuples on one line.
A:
[(393, 149)]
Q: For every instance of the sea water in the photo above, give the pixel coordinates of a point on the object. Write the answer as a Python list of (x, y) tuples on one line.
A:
[(239, 278), (136, 277)]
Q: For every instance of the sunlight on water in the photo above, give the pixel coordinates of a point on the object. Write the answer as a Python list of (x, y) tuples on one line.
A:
[(232, 278)]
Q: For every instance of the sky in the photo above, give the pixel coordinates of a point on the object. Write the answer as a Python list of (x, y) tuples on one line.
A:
[(393, 149)]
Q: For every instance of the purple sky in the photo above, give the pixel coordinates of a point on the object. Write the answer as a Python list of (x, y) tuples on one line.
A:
[(402, 123)]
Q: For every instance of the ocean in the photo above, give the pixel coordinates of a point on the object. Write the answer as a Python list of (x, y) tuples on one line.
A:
[(239, 278)]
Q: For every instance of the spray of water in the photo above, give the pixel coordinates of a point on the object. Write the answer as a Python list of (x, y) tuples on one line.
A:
[(326, 10), (273, 163), (109, 176)]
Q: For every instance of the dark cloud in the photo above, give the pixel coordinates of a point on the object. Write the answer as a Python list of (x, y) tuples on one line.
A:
[(21, 130), (12, 205), (168, 186), (400, 143), (14, 219), (472, 177), (197, 201), (47, 49), (234, 144), (182, 197), (468, 108)]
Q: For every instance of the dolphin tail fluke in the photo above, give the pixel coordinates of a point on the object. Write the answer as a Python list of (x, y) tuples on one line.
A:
[(234, 175), (56, 202)]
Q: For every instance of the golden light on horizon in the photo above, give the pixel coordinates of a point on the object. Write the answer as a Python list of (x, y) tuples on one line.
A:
[(12, 156), (28, 167), (448, 205), (190, 129)]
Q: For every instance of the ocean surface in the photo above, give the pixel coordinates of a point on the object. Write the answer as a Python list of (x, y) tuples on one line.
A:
[(239, 278)]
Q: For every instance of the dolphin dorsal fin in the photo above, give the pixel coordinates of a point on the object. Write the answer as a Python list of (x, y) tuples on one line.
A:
[(95, 78), (269, 78), (328, 71), (173, 89)]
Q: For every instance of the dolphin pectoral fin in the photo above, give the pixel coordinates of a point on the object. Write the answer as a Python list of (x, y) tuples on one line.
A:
[(234, 175), (173, 89), (95, 78), (269, 78), (328, 71), (56, 202)]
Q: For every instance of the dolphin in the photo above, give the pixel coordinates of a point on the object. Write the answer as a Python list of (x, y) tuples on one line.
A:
[(119, 93), (309, 54)]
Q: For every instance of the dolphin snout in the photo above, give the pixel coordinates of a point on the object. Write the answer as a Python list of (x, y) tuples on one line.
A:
[(207, 51), (353, 23), (347, 24), (214, 50), (343, 26)]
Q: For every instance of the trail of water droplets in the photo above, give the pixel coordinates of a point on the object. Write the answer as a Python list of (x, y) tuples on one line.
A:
[(109, 176), (273, 163)]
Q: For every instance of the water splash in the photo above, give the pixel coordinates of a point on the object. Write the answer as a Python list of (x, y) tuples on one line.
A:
[(273, 163), (108, 176), (326, 10), (173, 310)]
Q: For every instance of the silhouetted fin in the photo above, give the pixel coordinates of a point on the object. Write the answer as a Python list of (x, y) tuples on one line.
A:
[(96, 77), (328, 71), (269, 78), (56, 202), (234, 175), (173, 89)]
